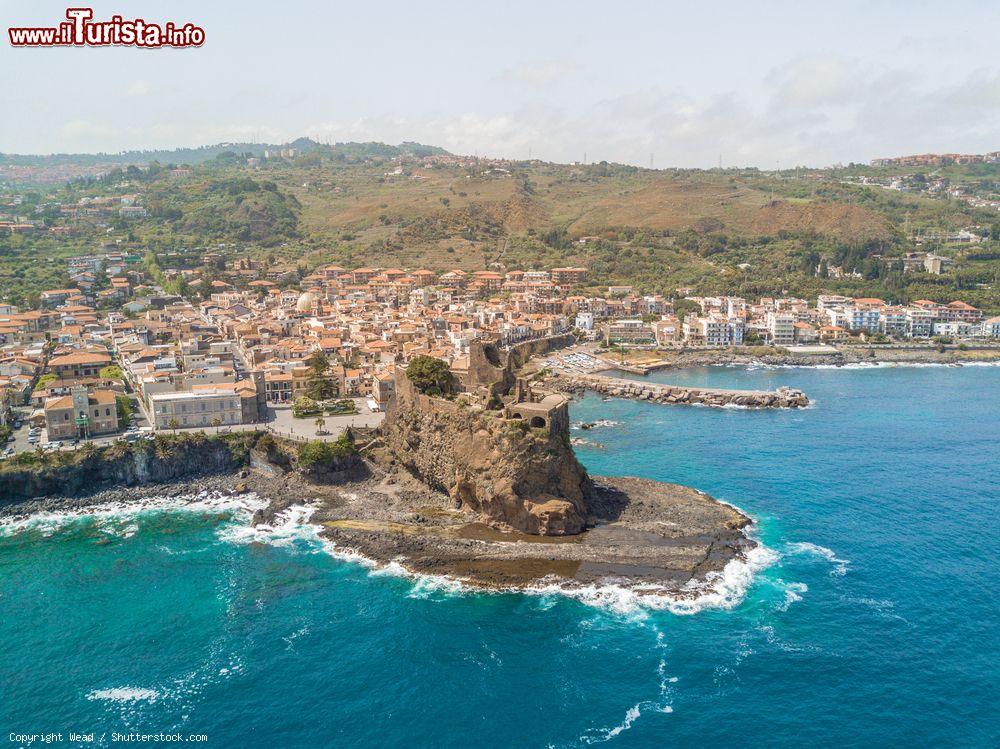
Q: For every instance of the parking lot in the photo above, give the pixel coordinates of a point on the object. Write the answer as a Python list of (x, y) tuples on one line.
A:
[(28, 438)]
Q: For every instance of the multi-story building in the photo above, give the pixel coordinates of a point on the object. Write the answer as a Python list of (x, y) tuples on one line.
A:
[(781, 326), (669, 331), (856, 318), (919, 322), (205, 406), (713, 330), (78, 364), (629, 331), (82, 413)]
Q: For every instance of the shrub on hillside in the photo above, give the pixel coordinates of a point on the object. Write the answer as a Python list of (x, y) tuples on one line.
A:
[(318, 455), (429, 375)]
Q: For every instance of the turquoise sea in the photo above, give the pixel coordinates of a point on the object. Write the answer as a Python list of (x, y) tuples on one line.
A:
[(873, 622)]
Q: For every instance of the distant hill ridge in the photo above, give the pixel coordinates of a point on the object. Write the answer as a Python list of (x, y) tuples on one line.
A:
[(940, 159), (200, 155)]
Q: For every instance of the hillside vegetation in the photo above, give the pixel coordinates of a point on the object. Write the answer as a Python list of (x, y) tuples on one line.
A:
[(739, 231)]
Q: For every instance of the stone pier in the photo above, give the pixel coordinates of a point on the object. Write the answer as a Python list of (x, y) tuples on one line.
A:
[(617, 387)]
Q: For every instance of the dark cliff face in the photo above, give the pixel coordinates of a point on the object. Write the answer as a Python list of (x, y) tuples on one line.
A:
[(166, 459), (513, 475)]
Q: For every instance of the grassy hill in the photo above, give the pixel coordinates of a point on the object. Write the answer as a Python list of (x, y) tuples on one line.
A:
[(717, 231)]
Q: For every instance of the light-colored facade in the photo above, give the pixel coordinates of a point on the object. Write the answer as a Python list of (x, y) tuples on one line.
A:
[(781, 326), (81, 414), (203, 407)]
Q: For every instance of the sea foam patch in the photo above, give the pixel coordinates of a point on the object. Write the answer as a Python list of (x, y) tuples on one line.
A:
[(119, 518), (290, 527), (124, 695), (804, 548)]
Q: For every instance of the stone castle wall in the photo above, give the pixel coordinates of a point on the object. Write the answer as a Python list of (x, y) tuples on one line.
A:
[(491, 460)]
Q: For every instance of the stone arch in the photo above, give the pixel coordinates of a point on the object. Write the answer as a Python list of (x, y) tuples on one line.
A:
[(537, 422)]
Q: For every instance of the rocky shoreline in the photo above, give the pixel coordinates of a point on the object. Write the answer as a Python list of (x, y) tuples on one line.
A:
[(844, 355), (616, 387), (640, 532)]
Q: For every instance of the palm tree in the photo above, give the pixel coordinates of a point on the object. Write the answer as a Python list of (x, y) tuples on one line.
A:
[(216, 422), (320, 424), (172, 425)]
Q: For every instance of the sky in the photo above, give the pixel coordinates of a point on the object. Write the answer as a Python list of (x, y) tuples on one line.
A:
[(682, 84)]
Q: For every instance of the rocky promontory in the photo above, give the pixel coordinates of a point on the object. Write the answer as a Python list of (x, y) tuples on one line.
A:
[(477, 481)]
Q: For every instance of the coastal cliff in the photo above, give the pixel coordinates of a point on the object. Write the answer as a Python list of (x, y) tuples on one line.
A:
[(173, 458), (491, 461), (165, 459)]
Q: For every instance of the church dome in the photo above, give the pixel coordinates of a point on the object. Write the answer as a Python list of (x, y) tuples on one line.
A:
[(306, 302)]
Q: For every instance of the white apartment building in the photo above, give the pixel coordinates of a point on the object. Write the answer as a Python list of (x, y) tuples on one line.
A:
[(827, 302), (713, 330), (956, 328), (920, 322), (781, 326), (867, 319), (895, 322)]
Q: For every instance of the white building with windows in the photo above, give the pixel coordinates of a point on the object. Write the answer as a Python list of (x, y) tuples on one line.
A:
[(204, 407), (854, 318), (781, 326)]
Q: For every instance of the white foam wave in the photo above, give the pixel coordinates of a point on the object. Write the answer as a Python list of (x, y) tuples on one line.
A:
[(598, 424), (119, 518), (631, 715), (124, 695), (724, 589), (806, 548), (290, 527), (793, 594)]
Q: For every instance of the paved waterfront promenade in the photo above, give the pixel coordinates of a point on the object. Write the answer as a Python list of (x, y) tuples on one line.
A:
[(617, 387)]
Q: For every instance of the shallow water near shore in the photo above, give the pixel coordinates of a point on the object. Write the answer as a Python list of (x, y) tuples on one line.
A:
[(872, 620)]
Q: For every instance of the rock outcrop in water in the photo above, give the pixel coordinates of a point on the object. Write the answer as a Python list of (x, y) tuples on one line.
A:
[(616, 387), (498, 448)]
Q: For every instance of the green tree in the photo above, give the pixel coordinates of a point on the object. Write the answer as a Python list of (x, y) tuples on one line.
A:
[(683, 307), (304, 406), (111, 372), (319, 385), (123, 405), (429, 375), (317, 454), (44, 380)]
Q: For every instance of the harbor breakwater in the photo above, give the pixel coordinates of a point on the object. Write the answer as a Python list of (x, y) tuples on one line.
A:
[(617, 387)]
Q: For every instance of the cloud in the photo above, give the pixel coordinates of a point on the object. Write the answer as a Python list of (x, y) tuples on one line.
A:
[(815, 110), (83, 129), (138, 88), (539, 74)]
